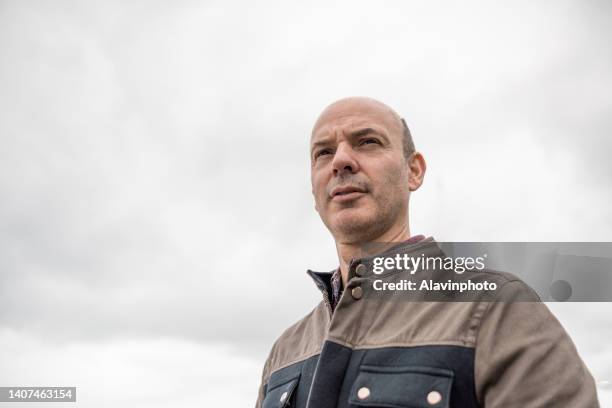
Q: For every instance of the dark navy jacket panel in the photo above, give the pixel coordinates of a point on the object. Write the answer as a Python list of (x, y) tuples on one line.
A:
[(396, 377)]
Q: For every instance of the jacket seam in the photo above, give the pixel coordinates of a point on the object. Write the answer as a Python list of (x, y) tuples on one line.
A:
[(477, 335), (354, 346), (303, 357)]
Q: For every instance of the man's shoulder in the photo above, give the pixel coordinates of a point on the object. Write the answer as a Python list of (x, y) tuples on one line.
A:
[(511, 287), (301, 340)]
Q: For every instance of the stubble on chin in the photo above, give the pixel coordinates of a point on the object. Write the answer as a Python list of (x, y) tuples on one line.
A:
[(359, 228), (366, 226)]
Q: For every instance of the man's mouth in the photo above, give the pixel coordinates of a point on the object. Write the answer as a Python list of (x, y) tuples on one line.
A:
[(348, 193)]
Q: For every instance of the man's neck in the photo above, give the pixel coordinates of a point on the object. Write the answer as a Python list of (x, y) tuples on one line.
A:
[(348, 251)]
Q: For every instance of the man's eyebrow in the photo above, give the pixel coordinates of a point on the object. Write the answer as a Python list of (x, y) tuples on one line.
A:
[(321, 142), (364, 131)]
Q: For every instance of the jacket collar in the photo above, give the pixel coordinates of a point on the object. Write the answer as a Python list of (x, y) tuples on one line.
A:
[(427, 247)]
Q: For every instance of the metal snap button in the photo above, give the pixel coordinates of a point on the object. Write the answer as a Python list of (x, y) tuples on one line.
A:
[(283, 397), (357, 292), (360, 270), (434, 397), (363, 393)]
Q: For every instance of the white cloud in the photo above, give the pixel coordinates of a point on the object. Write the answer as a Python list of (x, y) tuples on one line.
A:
[(132, 373)]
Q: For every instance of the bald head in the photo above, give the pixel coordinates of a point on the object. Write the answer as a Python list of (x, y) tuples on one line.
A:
[(359, 106), (363, 168)]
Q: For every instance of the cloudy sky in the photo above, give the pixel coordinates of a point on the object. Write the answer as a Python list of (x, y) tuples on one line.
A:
[(156, 219)]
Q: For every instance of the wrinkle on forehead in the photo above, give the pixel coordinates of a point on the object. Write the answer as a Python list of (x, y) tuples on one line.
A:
[(354, 111)]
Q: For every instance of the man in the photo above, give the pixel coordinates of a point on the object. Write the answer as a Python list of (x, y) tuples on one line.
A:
[(356, 348)]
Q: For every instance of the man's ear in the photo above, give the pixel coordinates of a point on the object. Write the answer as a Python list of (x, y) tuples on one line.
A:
[(417, 168)]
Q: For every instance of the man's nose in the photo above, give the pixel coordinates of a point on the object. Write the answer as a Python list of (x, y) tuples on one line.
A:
[(344, 160)]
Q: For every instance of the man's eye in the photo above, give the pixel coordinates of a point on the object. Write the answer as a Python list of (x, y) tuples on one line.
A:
[(369, 141), (322, 152)]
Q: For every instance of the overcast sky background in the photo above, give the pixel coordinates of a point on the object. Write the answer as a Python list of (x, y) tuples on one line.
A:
[(156, 219)]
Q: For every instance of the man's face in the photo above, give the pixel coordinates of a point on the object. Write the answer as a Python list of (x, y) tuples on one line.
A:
[(359, 175)]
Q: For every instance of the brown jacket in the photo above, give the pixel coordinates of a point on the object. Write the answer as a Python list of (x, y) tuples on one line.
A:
[(375, 351)]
